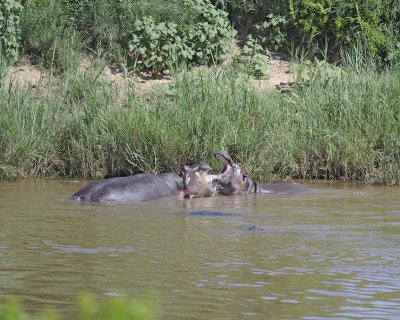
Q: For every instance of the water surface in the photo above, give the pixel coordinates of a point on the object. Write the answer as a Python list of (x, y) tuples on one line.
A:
[(332, 253)]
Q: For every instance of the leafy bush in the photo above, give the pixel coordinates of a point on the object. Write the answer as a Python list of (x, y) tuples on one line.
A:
[(10, 11), (313, 24), (343, 23), (311, 16), (253, 59), (209, 36), (243, 14), (159, 45), (308, 72), (271, 31)]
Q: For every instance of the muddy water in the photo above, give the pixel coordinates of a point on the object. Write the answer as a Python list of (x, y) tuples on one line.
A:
[(332, 253)]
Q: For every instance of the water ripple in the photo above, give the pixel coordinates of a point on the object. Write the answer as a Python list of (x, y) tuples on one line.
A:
[(60, 248)]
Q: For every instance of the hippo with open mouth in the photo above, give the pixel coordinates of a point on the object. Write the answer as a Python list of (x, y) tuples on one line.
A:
[(231, 179), (189, 182)]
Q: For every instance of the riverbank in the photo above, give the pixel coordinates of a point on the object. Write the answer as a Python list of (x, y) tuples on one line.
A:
[(333, 124)]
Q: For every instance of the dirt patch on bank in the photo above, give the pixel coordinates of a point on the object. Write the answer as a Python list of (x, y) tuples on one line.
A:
[(279, 74), (23, 75)]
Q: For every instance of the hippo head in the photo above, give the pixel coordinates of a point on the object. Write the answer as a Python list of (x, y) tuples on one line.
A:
[(197, 182), (231, 179)]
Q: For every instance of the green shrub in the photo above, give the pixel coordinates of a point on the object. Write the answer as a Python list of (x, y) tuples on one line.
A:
[(336, 24), (10, 11), (307, 73), (108, 25), (158, 46), (243, 14), (311, 16), (211, 33), (271, 32), (253, 59), (342, 23)]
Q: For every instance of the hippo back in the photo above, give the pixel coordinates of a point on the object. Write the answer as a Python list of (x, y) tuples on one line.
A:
[(173, 180), (137, 188)]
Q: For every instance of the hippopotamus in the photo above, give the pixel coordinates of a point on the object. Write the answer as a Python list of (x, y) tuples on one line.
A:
[(188, 182), (231, 179), (197, 181)]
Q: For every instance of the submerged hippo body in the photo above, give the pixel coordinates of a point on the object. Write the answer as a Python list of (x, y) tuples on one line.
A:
[(231, 179), (194, 181), (137, 188), (272, 188)]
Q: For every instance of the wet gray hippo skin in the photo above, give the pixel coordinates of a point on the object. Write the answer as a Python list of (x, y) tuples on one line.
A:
[(197, 182), (189, 182), (231, 179), (137, 188)]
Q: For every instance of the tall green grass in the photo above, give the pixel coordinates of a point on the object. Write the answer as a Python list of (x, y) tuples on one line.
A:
[(346, 128)]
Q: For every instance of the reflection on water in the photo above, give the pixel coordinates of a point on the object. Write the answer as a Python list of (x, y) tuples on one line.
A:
[(332, 253)]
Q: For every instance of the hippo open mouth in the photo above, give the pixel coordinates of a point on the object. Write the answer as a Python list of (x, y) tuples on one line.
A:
[(226, 162), (230, 179)]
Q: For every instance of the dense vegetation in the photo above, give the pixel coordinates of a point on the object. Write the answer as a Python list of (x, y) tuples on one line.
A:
[(340, 120), (331, 25)]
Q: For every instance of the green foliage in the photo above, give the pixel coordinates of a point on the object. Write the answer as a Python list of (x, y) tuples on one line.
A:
[(48, 37), (316, 23), (253, 60), (371, 23), (115, 308), (271, 32), (56, 31), (103, 24), (158, 46), (107, 25), (311, 15), (208, 38), (243, 14), (307, 73), (10, 11)]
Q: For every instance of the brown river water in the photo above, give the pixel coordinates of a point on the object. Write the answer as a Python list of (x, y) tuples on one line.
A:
[(331, 253)]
